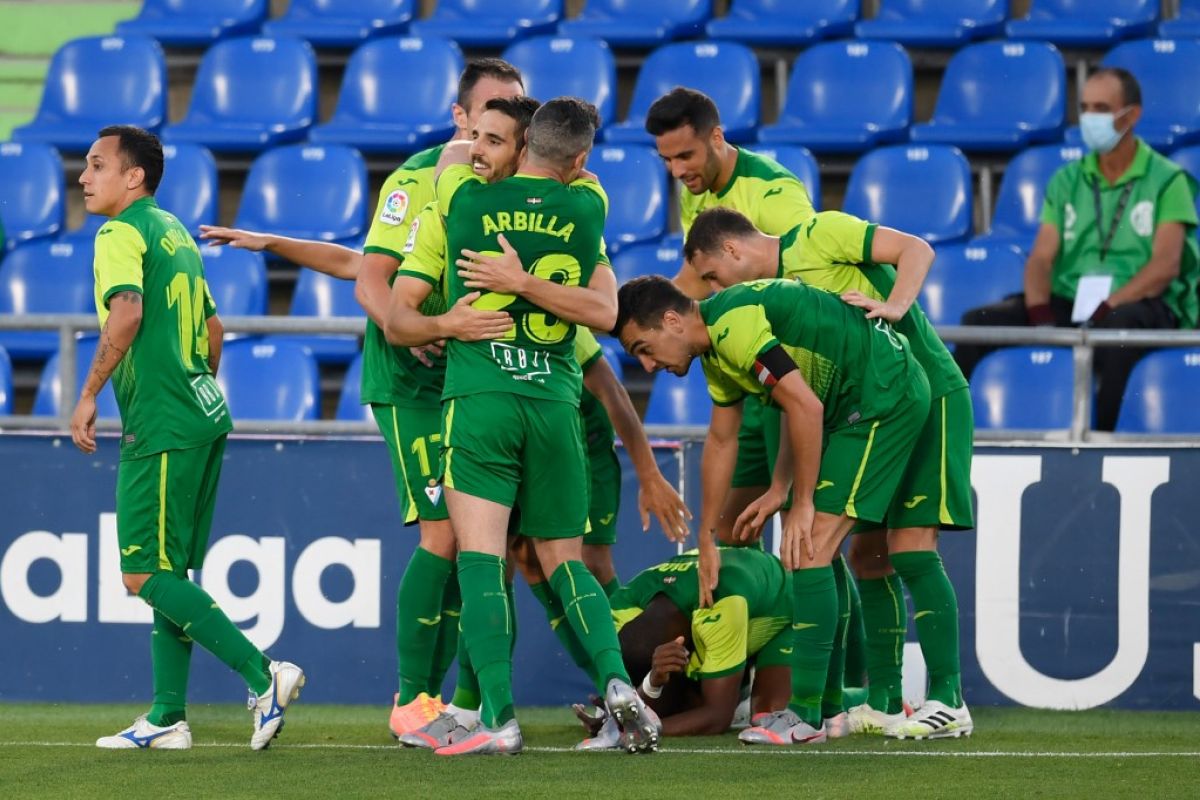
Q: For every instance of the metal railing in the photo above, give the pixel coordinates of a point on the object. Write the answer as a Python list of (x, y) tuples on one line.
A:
[(1082, 341)]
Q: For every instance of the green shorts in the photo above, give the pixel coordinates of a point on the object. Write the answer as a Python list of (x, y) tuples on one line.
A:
[(779, 649), (862, 463), (414, 442), (604, 497), (165, 507), (758, 442), (517, 450)]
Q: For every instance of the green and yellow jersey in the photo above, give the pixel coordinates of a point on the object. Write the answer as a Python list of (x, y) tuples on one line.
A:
[(391, 375), (164, 387), (832, 251), (853, 365), (774, 199), (751, 606)]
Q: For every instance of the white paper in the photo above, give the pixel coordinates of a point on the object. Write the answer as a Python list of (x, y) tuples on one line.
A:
[(1092, 291)]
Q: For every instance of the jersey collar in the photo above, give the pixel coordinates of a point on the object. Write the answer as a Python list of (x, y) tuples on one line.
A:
[(138, 205), (738, 168), (1137, 168)]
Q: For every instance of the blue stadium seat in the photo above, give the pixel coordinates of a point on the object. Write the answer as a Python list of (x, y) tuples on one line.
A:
[(308, 192), (784, 23), (635, 181), (237, 280), (727, 72), (1184, 26), (613, 353), (846, 97), (196, 22), (97, 81), (935, 23), (31, 191), (1166, 70), (1160, 396), (1189, 159), (44, 277), (86, 232), (800, 162), (663, 257), (269, 379), (1086, 23), (6, 384), (999, 97), (923, 190), (46, 402), (350, 407), (1022, 189), (557, 66), (342, 23), (639, 23), (249, 94), (680, 401), (189, 185), (966, 276), (490, 23), (319, 295), (379, 114), (1024, 388)]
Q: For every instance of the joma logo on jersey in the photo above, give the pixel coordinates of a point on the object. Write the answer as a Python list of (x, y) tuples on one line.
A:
[(526, 221)]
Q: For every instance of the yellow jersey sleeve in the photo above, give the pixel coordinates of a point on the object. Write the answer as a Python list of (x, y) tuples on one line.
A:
[(738, 336), (587, 349), (118, 262), (425, 248), (719, 637), (402, 197), (453, 178), (784, 203)]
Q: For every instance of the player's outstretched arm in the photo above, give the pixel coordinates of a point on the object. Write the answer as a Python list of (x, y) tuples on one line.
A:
[(116, 337), (594, 305), (655, 494), (716, 473), (326, 257), (912, 256)]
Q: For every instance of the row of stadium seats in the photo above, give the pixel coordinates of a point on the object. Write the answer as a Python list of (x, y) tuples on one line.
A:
[(645, 23), (844, 97), (1016, 388)]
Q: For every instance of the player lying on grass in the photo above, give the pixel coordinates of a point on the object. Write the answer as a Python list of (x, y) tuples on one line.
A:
[(855, 401)]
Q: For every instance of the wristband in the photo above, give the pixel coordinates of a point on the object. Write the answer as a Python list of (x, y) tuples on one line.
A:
[(649, 689), (1040, 314)]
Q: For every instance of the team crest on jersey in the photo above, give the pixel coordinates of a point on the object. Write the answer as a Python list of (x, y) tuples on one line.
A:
[(434, 492), (394, 208), (410, 244), (533, 201), (1141, 218)]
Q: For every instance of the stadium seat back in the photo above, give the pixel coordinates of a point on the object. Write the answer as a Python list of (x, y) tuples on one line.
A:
[(558, 66), (1024, 388), (370, 91), (680, 401), (926, 10), (1086, 23), (1023, 188), (256, 80), (1078, 10), (306, 191), (612, 354), (968, 276), (1184, 26), (237, 280), (1005, 85), (373, 15), (924, 190), (44, 277), (196, 22), (635, 181), (48, 400), (6, 384), (1166, 70), (269, 379), (663, 257), (319, 295), (800, 162), (1160, 396), (784, 23), (349, 407), (189, 185), (1189, 159), (506, 9), (634, 10), (31, 191)]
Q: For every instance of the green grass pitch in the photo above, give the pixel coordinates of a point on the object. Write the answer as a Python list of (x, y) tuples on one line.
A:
[(342, 751)]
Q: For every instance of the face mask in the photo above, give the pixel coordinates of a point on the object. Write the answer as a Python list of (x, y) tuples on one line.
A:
[(1099, 131)]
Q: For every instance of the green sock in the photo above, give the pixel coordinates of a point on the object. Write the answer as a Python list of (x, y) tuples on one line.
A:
[(447, 639), (611, 587), (856, 655), (814, 621), (854, 695), (562, 629), (885, 619), (590, 616), (171, 654), (193, 610), (418, 620), (487, 628), (935, 608), (832, 703), (510, 591), (466, 686)]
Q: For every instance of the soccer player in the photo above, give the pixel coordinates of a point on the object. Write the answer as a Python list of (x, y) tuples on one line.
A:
[(839, 378), (160, 342), (849, 256), (511, 431)]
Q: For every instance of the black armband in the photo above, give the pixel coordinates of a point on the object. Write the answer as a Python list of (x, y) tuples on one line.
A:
[(772, 365)]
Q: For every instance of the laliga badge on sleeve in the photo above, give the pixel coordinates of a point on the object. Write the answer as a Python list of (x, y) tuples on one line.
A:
[(394, 208)]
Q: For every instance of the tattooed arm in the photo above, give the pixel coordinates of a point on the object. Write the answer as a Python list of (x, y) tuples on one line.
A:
[(124, 319)]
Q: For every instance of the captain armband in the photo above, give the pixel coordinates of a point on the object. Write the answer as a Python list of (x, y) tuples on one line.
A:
[(772, 365)]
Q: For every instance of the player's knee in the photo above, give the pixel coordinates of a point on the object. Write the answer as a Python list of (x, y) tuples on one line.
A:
[(911, 540), (437, 537), (134, 581), (868, 556), (599, 562)]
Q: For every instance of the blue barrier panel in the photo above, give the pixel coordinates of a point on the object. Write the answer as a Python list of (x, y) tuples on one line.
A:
[(1078, 589)]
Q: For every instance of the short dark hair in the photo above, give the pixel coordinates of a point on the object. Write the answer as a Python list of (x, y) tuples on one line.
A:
[(644, 300), (138, 148), (480, 68), (1131, 90), (714, 226), (682, 106), (561, 129), (519, 109)]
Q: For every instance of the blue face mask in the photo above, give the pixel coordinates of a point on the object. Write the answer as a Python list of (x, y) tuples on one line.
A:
[(1099, 130)]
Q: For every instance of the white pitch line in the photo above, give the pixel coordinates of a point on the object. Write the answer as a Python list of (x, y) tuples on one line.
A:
[(782, 751)]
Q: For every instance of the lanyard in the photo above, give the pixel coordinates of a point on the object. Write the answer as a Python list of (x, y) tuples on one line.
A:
[(1118, 212)]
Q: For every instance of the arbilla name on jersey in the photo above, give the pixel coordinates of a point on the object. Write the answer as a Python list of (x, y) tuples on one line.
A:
[(522, 364)]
